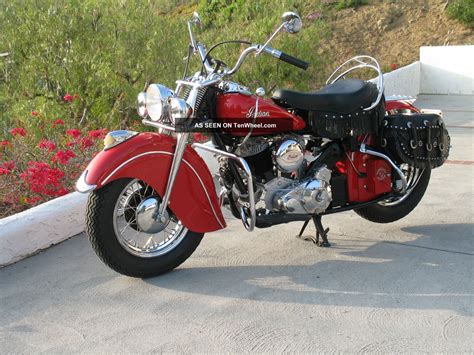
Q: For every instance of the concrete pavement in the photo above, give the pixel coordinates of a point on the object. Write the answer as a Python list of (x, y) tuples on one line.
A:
[(405, 286)]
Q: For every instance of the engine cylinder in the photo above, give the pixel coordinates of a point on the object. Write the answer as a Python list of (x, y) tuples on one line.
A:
[(289, 155)]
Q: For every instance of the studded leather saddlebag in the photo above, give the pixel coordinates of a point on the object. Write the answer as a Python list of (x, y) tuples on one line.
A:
[(335, 125), (420, 140)]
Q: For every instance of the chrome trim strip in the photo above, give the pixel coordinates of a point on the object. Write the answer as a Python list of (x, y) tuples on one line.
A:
[(365, 150), (184, 160), (81, 184), (253, 217)]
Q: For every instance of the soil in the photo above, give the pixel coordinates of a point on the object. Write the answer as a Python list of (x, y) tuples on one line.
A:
[(7, 209), (392, 32)]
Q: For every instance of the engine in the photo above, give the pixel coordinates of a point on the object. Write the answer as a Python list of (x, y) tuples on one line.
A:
[(277, 166), (308, 196)]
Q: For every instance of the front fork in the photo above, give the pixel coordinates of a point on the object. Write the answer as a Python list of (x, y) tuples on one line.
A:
[(181, 141)]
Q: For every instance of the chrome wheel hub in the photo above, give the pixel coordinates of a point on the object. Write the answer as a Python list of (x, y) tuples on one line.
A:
[(136, 228), (146, 222)]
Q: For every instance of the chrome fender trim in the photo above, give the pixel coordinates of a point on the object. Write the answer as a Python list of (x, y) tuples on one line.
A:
[(82, 185)]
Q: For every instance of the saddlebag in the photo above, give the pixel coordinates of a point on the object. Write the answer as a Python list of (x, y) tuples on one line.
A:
[(420, 140), (333, 125)]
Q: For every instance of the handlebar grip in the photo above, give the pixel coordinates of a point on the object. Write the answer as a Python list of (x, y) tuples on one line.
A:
[(294, 61)]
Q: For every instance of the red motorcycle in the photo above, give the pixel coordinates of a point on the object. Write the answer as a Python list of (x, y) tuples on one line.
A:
[(294, 157)]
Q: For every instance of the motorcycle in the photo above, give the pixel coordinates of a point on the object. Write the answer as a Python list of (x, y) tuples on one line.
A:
[(292, 157)]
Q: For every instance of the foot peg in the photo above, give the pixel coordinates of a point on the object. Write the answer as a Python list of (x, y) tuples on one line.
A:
[(320, 232)]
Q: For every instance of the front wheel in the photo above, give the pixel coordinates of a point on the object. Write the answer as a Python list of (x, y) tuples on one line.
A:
[(128, 239), (393, 209)]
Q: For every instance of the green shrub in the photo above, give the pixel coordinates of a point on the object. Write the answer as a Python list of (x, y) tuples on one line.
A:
[(463, 11), (104, 51)]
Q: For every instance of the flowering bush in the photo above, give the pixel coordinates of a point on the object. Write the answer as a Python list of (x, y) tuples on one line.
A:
[(43, 161)]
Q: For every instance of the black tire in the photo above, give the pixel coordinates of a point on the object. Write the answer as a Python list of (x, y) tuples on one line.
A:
[(386, 214), (101, 233)]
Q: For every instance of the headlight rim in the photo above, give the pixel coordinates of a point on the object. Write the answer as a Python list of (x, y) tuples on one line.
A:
[(158, 94), (141, 104), (180, 111)]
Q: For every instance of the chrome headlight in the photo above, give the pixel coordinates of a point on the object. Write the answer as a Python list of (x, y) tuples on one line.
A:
[(157, 102), (180, 110), (116, 137)]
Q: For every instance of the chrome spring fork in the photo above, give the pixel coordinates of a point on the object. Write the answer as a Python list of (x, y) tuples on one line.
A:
[(181, 141)]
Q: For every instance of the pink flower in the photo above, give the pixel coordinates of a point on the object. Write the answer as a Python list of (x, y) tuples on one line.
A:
[(41, 178), (98, 133), (200, 138), (75, 133), (75, 97), (62, 191), (58, 122), (4, 143), (34, 113), (32, 200), (70, 144), (4, 171), (45, 144), (18, 131), (67, 98), (314, 16), (86, 142), (393, 66), (9, 165), (63, 156)]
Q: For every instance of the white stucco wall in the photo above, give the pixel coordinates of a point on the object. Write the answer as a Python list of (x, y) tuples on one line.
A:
[(447, 70), (38, 228), (403, 81)]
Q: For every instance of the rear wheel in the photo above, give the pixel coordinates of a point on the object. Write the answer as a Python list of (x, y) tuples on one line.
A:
[(395, 208), (128, 239)]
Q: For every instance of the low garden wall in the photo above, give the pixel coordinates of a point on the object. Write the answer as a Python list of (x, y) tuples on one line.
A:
[(37, 228)]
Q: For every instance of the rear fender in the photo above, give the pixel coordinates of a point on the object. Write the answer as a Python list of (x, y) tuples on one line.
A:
[(147, 157), (400, 105)]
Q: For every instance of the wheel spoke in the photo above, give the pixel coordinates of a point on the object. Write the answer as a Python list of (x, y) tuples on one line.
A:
[(127, 225), (128, 230)]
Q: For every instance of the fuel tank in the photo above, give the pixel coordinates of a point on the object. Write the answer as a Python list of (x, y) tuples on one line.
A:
[(236, 112)]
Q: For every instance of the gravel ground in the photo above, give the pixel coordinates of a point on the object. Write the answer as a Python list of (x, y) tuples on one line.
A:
[(401, 287)]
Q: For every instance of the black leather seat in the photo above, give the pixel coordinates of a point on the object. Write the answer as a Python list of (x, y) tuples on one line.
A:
[(344, 96)]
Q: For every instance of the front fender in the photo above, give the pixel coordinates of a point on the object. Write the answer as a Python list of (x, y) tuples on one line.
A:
[(147, 157)]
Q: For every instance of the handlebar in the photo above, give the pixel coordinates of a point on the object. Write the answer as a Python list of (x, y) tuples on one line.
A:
[(294, 61), (201, 50), (269, 50)]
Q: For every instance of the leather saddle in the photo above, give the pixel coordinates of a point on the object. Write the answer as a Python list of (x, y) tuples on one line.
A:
[(343, 96)]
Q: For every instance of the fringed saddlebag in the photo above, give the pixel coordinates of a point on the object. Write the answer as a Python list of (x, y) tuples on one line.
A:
[(420, 140)]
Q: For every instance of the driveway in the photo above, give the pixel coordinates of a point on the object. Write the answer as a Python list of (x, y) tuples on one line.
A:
[(405, 286)]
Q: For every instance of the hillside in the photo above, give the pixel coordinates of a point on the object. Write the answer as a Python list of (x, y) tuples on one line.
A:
[(392, 32)]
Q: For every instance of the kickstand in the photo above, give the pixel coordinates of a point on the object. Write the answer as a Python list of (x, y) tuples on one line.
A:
[(303, 228), (320, 232)]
